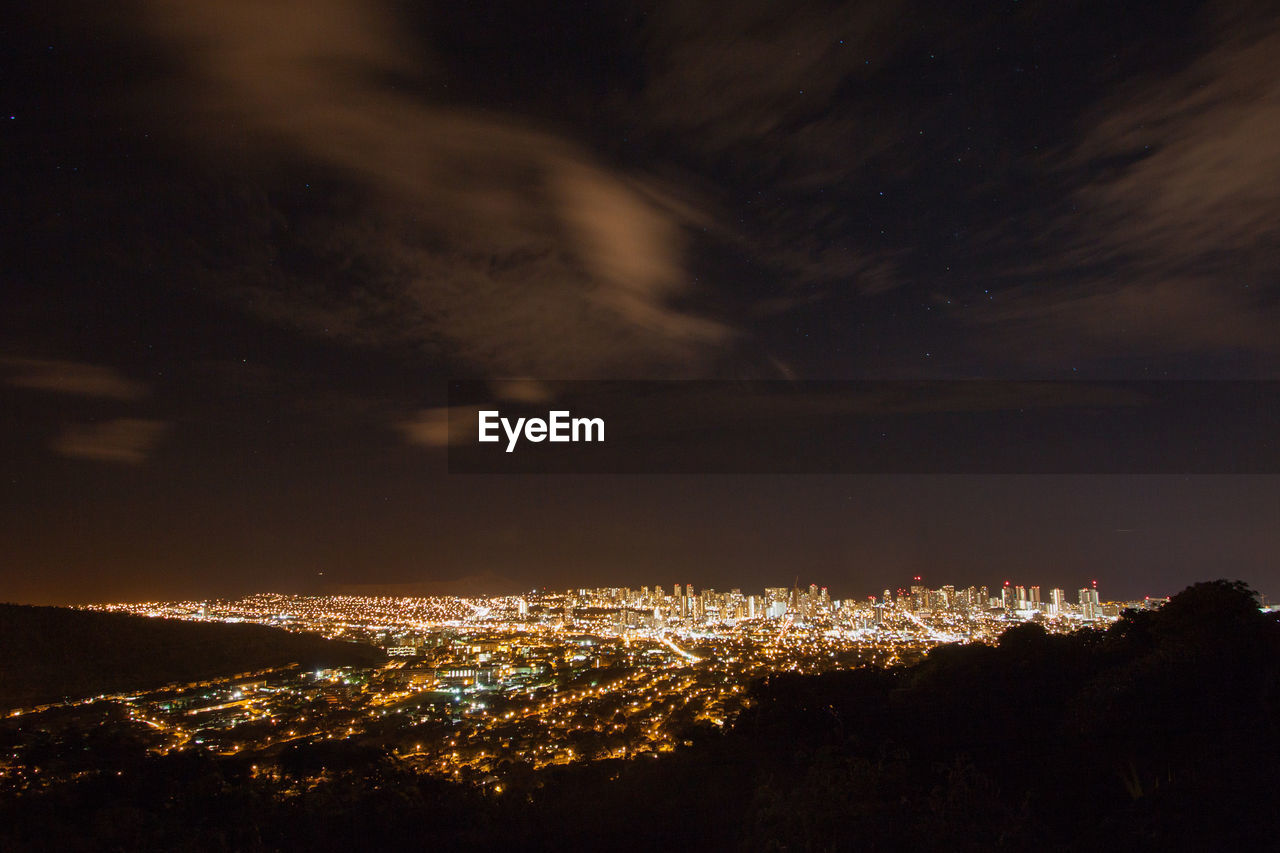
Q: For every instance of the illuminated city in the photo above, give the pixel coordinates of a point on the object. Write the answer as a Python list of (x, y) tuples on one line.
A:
[(475, 689)]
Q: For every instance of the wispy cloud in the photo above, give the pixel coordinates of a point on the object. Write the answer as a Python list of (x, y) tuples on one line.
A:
[(787, 97), (504, 244), (438, 427), (123, 440), (71, 377), (443, 426), (1205, 149), (1175, 236), (762, 76)]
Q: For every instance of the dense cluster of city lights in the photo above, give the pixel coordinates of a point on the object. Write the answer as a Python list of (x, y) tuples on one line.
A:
[(477, 689)]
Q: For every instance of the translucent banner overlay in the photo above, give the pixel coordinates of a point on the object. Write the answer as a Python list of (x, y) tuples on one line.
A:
[(863, 427)]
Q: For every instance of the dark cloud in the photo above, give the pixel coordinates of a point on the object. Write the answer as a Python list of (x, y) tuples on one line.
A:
[(442, 426), (762, 78), (1172, 241), (784, 105), (69, 377), (510, 246), (1204, 146), (123, 440)]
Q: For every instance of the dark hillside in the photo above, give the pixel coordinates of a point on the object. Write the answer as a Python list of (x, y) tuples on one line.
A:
[(53, 653)]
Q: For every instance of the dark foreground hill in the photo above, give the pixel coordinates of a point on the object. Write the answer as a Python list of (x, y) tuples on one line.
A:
[(1160, 734), (53, 653)]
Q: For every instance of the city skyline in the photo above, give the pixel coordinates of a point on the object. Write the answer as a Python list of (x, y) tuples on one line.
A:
[(652, 609)]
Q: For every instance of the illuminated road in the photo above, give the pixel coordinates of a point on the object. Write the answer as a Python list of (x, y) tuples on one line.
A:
[(686, 655), (933, 633)]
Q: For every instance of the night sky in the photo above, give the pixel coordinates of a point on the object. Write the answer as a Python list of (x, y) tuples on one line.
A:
[(247, 244)]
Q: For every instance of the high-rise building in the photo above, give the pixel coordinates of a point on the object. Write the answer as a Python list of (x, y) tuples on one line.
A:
[(1057, 602), (1090, 609), (919, 597)]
